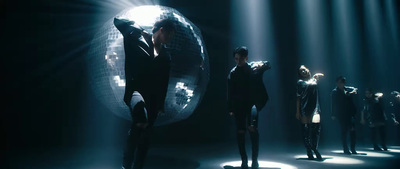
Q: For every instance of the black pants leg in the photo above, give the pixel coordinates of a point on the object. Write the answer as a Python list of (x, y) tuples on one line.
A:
[(254, 136), (241, 145), (252, 122), (374, 133), (344, 132), (353, 140), (382, 133), (352, 132), (131, 145), (137, 141), (142, 149), (242, 115), (144, 139)]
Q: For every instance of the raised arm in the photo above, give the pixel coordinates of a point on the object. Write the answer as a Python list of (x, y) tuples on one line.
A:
[(127, 27)]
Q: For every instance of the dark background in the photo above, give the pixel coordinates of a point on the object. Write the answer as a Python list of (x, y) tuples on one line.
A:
[(47, 103)]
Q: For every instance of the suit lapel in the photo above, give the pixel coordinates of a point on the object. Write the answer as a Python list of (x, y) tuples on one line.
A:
[(145, 47)]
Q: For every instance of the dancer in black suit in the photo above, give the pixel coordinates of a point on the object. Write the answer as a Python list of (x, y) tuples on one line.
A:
[(147, 66)]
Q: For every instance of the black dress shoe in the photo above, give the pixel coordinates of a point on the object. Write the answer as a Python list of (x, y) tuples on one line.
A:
[(354, 152), (377, 149), (244, 165), (310, 155), (318, 155), (254, 165), (347, 152)]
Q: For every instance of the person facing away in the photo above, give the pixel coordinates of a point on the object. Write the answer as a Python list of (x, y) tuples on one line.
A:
[(373, 113), (344, 110), (245, 90), (147, 67), (308, 110)]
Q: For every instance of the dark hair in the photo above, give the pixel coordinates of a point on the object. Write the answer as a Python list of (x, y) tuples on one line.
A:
[(341, 78), (242, 51), (166, 23)]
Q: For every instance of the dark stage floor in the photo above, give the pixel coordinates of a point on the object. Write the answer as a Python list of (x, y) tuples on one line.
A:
[(208, 156)]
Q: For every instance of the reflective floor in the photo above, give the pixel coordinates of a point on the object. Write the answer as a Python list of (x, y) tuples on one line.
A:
[(217, 156)]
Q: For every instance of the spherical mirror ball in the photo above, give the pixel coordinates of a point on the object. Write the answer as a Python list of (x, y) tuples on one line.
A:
[(189, 74)]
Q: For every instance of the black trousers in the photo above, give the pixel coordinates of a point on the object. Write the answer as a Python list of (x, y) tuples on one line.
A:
[(137, 143), (348, 129), (378, 131), (245, 119)]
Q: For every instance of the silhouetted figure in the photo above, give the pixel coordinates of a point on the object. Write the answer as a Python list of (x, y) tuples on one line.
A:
[(245, 90), (308, 110), (395, 110), (395, 106), (344, 110), (147, 66), (373, 113)]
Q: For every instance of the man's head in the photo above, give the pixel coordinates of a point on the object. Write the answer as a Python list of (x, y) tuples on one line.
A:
[(241, 55), (163, 30), (340, 81), (304, 73)]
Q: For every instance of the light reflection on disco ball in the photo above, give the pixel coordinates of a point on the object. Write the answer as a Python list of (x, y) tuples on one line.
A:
[(189, 74)]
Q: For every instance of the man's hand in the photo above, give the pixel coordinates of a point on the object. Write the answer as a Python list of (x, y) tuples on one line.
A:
[(231, 113)]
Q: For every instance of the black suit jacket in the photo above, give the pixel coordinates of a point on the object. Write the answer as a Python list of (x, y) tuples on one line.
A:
[(246, 86), (144, 73), (343, 106)]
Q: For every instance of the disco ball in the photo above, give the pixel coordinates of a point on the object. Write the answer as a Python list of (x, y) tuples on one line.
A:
[(189, 74)]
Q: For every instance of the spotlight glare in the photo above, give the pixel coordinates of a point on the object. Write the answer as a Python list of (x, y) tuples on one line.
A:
[(335, 159), (394, 150), (372, 153), (266, 164), (145, 15), (368, 153)]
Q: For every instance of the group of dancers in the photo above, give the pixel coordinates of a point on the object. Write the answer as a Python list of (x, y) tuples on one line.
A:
[(244, 92), (147, 65)]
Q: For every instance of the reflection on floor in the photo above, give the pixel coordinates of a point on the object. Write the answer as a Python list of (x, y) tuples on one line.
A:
[(218, 156)]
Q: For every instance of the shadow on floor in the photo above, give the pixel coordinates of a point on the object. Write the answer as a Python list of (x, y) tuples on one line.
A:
[(158, 161), (306, 159), (351, 154)]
